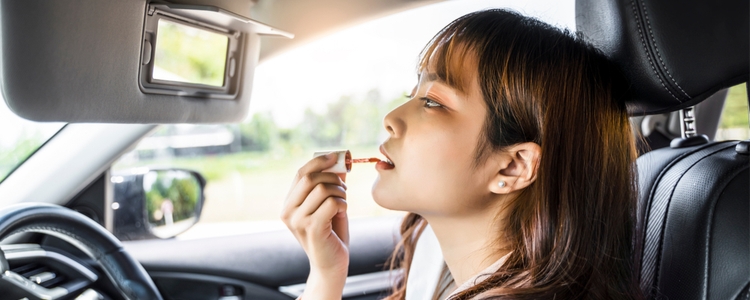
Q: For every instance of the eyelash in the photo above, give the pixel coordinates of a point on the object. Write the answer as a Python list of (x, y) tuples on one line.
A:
[(429, 103)]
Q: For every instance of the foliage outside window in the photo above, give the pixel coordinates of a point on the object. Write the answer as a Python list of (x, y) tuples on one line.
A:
[(187, 54), (169, 198), (21, 138), (734, 117)]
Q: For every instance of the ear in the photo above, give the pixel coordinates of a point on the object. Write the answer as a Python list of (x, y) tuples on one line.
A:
[(517, 168)]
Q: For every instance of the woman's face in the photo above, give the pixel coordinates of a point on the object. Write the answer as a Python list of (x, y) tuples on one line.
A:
[(432, 143)]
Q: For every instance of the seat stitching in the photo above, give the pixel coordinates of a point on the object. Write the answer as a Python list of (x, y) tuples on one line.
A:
[(658, 53), (645, 48), (650, 204), (710, 224), (666, 211), (652, 193)]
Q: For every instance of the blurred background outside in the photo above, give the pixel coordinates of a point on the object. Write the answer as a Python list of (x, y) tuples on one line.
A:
[(328, 94)]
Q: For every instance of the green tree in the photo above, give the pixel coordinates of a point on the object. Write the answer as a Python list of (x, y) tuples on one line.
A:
[(735, 113), (326, 129), (364, 120), (183, 192), (196, 55), (348, 121), (19, 151), (259, 134)]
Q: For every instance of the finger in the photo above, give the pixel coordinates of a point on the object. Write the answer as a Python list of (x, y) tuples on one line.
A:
[(306, 184), (317, 164), (342, 176), (318, 195), (323, 216)]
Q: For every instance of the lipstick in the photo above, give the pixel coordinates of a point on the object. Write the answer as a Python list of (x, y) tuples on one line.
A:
[(364, 160), (345, 161)]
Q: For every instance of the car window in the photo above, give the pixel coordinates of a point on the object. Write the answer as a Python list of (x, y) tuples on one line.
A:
[(20, 139), (734, 123), (326, 95)]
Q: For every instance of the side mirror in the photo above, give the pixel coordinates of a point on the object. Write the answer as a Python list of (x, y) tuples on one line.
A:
[(156, 203)]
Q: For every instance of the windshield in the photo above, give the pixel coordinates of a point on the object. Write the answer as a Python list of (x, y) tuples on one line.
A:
[(20, 139), (329, 94)]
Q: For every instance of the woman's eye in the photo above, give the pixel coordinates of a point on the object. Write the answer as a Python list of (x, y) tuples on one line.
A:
[(430, 103)]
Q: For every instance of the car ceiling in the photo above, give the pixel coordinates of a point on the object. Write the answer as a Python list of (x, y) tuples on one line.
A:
[(78, 39), (309, 19)]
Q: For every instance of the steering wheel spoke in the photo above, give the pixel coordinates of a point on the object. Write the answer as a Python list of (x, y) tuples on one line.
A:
[(127, 275), (33, 272)]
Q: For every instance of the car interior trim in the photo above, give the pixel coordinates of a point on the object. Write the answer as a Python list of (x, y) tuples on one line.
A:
[(22, 251), (245, 257), (233, 55), (88, 236), (31, 287), (658, 209), (213, 13), (101, 43), (355, 285), (181, 285), (674, 56)]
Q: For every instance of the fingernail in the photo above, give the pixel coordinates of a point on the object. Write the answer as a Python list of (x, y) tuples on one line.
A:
[(331, 155)]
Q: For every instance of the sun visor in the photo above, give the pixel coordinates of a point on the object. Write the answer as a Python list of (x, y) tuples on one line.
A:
[(129, 61)]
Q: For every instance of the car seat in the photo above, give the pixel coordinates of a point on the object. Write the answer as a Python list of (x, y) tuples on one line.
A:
[(694, 211)]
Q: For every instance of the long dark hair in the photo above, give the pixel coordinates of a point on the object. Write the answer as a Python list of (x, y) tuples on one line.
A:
[(571, 232)]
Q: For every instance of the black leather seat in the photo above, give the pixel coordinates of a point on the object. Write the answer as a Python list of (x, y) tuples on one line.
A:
[(694, 210)]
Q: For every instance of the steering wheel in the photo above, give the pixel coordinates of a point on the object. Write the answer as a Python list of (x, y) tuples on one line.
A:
[(125, 272)]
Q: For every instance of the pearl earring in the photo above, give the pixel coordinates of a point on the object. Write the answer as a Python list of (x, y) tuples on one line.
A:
[(501, 184)]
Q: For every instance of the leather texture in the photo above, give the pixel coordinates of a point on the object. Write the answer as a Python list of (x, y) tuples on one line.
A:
[(88, 236), (675, 53), (696, 222)]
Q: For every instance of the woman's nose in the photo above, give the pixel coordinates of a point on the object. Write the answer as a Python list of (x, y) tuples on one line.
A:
[(393, 121)]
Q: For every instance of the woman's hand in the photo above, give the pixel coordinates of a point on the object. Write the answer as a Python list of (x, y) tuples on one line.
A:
[(315, 212)]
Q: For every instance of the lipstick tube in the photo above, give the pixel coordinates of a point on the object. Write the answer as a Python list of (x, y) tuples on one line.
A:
[(343, 162)]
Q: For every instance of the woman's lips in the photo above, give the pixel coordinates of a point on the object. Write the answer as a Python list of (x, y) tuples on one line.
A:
[(386, 164)]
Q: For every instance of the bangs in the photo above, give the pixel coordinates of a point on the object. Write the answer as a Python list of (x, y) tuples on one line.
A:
[(450, 56)]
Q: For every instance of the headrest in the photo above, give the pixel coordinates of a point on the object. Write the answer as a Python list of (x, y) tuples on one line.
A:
[(675, 53)]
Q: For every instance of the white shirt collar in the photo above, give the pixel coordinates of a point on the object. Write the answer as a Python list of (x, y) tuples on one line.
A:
[(427, 267), (481, 276)]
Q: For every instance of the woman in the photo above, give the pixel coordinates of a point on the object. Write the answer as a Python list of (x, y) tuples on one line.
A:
[(517, 151)]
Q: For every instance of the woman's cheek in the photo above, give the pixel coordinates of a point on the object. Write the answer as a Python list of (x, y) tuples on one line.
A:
[(406, 189)]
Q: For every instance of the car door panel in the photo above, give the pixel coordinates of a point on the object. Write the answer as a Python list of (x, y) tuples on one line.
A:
[(259, 263)]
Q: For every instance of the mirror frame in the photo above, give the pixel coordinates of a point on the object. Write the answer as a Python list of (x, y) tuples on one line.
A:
[(130, 220)]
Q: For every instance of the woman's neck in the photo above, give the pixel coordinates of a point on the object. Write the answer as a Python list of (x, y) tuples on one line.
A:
[(469, 243)]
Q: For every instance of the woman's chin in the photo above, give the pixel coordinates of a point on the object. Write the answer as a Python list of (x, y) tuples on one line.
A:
[(385, 197), (380, 199)]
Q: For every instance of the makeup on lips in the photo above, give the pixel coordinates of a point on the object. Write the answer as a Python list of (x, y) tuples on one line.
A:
[(345, 161)]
